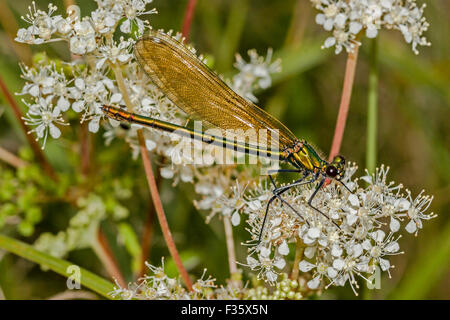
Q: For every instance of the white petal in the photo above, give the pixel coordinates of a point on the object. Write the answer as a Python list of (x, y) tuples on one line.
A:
[(392, 247), (48, 81), (394, 225), (309, 252), (79, 83), (166, 173), (411, 227), (63, 104), (384, 264), (40, 130), (328, 25), (283, 248), (279, 263), (320, 18), (357, 250), (340, 20), (56, 112), (351, 219), (34, 90), (378, 235), (308, 240), (252, 262), (329, 42), (366, 245), (265, 252), (271, 276), (371, 32), (123, 57), (235, 219), (314, 283), (94, 125), (305, 266), (116, 98), (54, 131), (150, 144), (336, 251), (353, 199), (355, 27), (332, 273), (338, 264), (100, 63), (313, 233), (78, 106), (403, 204), (125, 26)]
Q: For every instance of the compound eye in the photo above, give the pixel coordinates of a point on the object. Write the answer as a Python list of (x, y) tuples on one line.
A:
[(331, 171)]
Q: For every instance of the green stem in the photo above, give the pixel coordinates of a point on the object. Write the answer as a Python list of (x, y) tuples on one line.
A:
[(231, 35), (63, 267), (372, 109)]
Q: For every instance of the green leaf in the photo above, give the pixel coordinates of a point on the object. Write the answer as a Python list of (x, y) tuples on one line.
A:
[(88, 279), (190, 259), (412, 67), (132, 245), (295, 60)]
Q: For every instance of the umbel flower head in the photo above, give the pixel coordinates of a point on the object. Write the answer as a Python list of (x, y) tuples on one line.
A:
[(345, 19), (369, 220)]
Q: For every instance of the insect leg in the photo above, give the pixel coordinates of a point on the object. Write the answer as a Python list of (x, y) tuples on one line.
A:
[(277, 192), (312, 197), (265, 217)]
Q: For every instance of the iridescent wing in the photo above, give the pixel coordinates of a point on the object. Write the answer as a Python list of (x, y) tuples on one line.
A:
[(200, 93)]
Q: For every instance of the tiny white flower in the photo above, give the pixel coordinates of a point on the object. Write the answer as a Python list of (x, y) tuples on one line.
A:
[(283, 249)]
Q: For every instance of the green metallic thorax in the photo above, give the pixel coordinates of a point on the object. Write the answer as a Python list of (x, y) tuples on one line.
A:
[(305, 156)]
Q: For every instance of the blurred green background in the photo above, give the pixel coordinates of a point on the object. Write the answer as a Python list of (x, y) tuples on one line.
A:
[(413, 134)]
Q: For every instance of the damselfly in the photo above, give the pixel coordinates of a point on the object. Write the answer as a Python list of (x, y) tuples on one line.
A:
[(200, 93)]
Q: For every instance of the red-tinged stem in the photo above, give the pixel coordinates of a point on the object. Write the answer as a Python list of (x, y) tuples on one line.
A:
[(345, 102), (147, 239), (160, 211), (34, 145), (11, 159), (10, 27), (106, 255), (188, 16)]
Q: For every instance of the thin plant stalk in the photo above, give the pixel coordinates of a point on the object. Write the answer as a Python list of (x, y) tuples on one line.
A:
[(160, 211), (299, 249), (147, 236), (33, 143), (106, 256), (234, 272), (188, 17), (372, 110), (152, 184), (349, 77), (147, 233), (11, 159)]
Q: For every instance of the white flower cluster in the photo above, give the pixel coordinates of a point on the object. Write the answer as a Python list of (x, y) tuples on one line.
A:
[(347, 18), (369, 220), (254, 74), (82, 84), (82, 33), (159, 286)]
